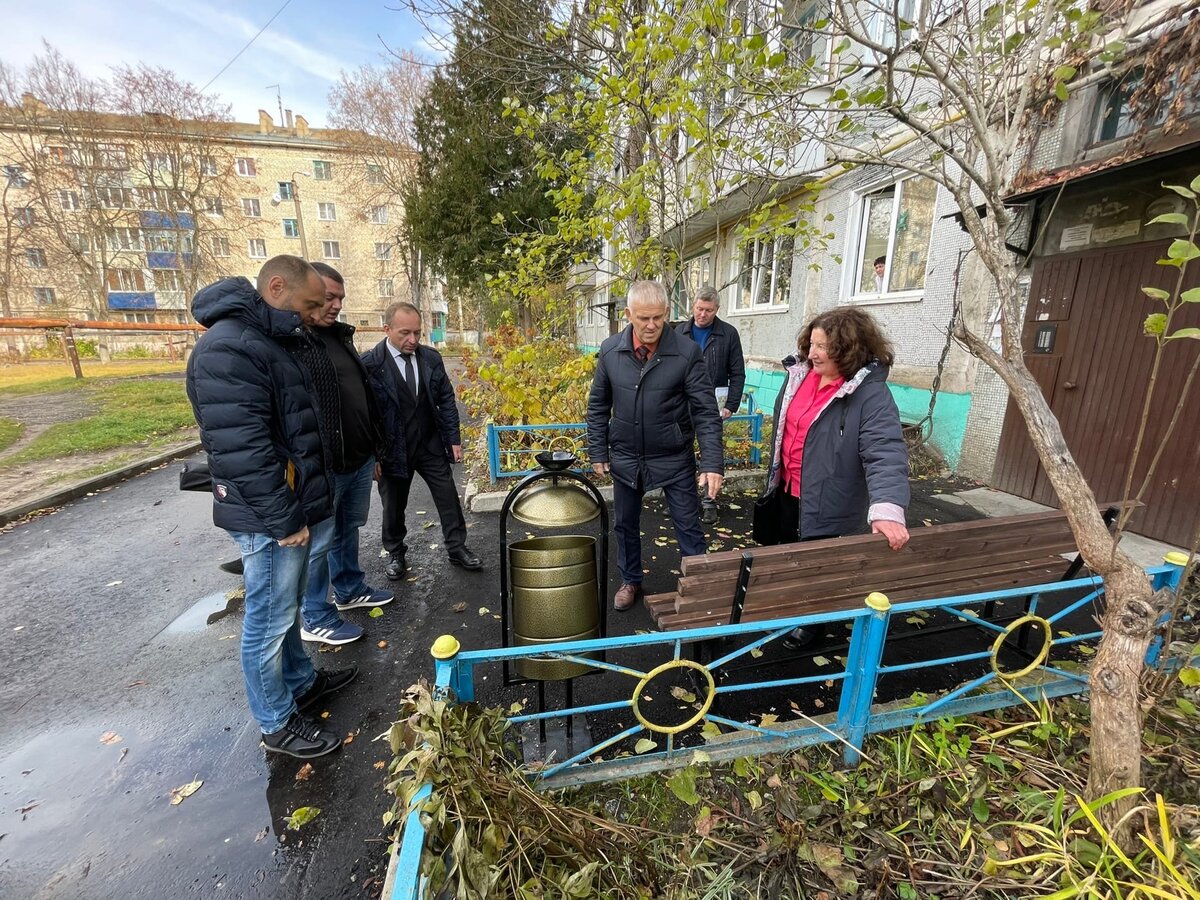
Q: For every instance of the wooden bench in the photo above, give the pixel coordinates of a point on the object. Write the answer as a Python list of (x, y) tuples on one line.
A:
[(837, 574)]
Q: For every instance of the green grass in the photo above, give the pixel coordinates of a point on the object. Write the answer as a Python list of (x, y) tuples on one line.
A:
[(55, 377), (131, 413), (10, 430)]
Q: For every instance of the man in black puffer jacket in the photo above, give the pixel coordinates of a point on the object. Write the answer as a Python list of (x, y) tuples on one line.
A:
[(651, 399), (270, 481)]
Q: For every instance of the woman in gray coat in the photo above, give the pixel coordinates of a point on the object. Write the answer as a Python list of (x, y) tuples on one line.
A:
[(839, 464)]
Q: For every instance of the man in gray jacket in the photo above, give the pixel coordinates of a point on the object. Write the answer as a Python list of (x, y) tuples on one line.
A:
[(651, 399)]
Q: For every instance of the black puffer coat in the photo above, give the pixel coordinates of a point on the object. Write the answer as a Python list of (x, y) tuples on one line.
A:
[(644, 421), (258, 420), (434, 381)]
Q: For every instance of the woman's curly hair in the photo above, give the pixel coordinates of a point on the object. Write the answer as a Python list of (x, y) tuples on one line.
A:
[(855, 339)]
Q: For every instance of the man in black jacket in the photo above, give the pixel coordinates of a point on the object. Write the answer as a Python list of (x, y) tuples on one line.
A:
[(271, 487), (420, 421), (651, 399), (722, 348), (352, 435)]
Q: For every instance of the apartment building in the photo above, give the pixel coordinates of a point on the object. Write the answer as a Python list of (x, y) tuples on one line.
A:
[(108, 217)]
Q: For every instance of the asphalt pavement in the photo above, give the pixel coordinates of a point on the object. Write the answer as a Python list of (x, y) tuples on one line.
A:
[(117, 690)]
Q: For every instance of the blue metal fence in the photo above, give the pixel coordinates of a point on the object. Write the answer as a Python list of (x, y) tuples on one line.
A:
[(513, 459), (860, 676)]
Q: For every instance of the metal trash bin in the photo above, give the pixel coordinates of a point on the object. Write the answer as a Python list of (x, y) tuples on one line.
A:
[(554, 598)]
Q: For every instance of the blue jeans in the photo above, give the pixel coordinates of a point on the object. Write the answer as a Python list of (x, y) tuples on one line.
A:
[(339, 565), (274, 664)]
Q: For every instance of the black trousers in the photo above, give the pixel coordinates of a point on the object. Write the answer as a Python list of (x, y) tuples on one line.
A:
[(433, 466), (684, 505)]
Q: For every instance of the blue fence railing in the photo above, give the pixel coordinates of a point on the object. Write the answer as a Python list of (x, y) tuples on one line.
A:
[(513, 458), (859, 678)]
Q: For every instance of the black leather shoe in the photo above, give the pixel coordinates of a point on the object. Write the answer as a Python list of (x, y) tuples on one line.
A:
[(233, 567), (327, 681), (799, 639), (396, 566), (462, 556)]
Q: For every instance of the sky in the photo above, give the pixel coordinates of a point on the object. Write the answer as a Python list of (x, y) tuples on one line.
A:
[(302, 51)]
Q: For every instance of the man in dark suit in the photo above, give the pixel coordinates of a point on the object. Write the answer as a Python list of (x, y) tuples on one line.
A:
[(420, 420)]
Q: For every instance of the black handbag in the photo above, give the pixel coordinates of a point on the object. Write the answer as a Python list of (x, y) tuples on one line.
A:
[(766, 519), (195, 477)]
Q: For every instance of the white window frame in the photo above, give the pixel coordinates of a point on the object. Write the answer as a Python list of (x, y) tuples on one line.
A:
[(256, 244), (35, 258), (127, 280), (335, 246), (161, 276), (385, 287), (213, 206), (208, 166), (121, 239), (246, 167), (383, 250), (857, 241), (327, 207), (79, 241), (220, 245), (322, 170), (68, 200), (375, 174), (291, 228), (43, 296), (379, 215), (24, 215), (770, 287), (286, 191), (251, 208)]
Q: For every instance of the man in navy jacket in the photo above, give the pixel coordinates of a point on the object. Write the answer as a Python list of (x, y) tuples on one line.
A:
[(651, 399), (722, 348), (253, 401)]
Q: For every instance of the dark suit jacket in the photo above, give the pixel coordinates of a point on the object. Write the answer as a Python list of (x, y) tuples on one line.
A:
[(435, 386)]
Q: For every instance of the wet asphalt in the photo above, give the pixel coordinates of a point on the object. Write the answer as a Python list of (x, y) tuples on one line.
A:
[(117, 690)]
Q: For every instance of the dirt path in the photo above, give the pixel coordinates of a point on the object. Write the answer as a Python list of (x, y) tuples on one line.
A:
[(25, 481)]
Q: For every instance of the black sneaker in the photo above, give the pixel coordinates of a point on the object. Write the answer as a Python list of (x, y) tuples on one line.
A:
[(328, 681), (709, 512), (301, 737), (396, 566)]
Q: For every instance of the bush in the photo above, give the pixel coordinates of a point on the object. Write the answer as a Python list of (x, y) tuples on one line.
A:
[(519, 382), (54, 349)]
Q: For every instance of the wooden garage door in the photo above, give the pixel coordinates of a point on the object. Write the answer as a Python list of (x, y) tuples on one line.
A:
[(1095, 374)]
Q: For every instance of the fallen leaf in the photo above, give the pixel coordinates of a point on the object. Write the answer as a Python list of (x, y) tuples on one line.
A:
[(325, 715), (460, 606), (112, 584), (19, 628), (301, 817), (135, 684), (375, 613), (755, 652), (262, 834), (349, 738), (644, 746), (179, 794), (382, 644), (380, 764), (227, 637), (304, 771), (483, 610), (683, 694), (820, 661), (24, 809), (110, 738), (767, 720)]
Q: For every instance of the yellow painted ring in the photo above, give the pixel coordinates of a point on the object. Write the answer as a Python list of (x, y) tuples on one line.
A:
[(666, 667), (1042, 656)]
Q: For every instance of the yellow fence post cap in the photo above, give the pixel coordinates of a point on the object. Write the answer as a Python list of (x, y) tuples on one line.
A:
[(445, 647), (878, 602), (1176, 558)]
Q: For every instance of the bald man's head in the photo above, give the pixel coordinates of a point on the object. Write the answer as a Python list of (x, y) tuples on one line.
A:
[(288, 282)]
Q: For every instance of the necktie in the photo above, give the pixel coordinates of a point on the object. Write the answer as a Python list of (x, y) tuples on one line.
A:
[(410, 375), (642, 354)]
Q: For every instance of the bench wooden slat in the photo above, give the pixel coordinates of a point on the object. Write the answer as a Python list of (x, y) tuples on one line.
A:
[(720, 616), (981, 533), (861, 582), (852, 567)]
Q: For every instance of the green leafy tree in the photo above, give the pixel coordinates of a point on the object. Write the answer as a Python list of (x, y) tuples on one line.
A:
[(475, 180)]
